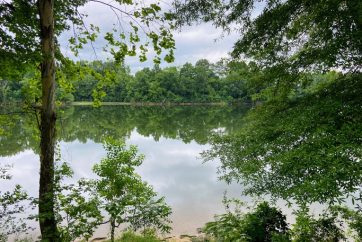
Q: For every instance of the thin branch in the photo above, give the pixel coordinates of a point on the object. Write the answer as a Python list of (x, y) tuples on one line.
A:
[(37, 119), (106, 222), (119, 20), (121, 11), (85, 27)]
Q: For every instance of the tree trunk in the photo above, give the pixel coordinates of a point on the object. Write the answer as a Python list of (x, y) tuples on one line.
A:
[(3, 90), (48, 226), (113, 226)]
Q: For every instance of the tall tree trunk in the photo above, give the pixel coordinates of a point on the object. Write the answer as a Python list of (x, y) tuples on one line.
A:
[(48, 226)]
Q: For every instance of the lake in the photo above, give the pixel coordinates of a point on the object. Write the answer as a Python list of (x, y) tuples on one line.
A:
[(171, 138)]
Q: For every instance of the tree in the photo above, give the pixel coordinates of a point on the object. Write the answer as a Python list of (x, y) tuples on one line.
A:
[(187, 79), (203, 74), (39, 47), (119, 192), (123, 195), (140, 86), (168, 83), (112, 82)]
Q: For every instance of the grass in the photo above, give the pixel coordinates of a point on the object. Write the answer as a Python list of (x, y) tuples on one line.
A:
[(130, 236)]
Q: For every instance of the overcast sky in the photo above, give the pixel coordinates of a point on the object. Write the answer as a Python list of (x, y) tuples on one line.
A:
[(192, 43)]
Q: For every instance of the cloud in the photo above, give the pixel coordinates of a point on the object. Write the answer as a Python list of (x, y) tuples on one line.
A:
[(192, 42)]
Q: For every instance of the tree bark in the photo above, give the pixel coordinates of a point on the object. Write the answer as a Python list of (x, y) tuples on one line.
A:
[(47, 221)]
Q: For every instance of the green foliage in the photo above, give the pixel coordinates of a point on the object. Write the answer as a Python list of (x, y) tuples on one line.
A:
[(18, 17), (123, 195), (12, 206), (323, 229), (130, 236), (77, 206), (198, 83), (225, 81), (204, 82), (20, 54), (294, 35), (119, 192), (264, 223), (351, 217), (286, 39), (5, 124), (305, 148)]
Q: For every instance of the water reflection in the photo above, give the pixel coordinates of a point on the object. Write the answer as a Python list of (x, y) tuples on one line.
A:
[(87, 123), (171, 138)]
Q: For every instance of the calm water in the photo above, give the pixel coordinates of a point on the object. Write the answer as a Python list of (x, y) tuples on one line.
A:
[(170, 137)]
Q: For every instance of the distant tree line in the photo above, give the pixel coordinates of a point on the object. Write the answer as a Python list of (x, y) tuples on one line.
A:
[(223, 81), (204, 82)]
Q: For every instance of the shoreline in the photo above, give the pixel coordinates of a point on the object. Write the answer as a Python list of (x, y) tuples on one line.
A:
[(134, 104), (146, 104)]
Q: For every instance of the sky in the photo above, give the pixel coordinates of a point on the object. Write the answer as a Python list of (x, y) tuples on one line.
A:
[(195, 42)]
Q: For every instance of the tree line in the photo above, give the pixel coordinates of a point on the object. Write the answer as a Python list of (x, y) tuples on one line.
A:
[(227, 81), (224, 81)]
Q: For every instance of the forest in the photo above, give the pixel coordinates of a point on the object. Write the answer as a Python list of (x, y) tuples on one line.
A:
[(279, 118)]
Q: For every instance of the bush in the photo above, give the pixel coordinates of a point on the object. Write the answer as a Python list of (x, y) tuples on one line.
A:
[(321, 229), (265, 224)]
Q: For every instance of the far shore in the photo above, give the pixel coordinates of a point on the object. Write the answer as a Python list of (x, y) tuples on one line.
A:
[(147, 104), (135, 104)]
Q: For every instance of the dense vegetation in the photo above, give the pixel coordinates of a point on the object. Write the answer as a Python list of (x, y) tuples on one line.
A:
[(224, 81), (266, 223)]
